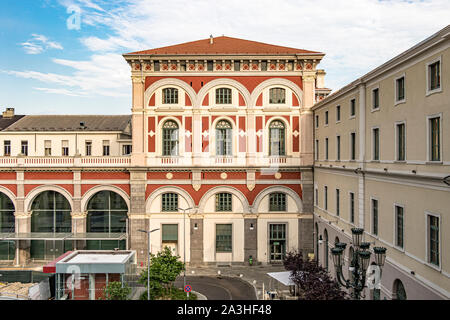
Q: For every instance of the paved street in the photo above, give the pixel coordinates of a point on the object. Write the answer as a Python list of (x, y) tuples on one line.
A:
[(222, 288)]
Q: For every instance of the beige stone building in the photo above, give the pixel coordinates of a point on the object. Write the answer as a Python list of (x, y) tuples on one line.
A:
[(382, 163)]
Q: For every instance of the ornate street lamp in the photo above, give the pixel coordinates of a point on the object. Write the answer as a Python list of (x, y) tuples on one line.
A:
[(359, 262)]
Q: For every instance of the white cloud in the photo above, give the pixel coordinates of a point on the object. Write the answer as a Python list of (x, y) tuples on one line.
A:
[(356, 35), (40, 43)]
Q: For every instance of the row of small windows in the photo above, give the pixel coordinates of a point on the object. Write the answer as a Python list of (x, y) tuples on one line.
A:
[(223, 202), (126, 149), (224, 138), (434, 84), (224, 96), (432, 222), (434, 136)]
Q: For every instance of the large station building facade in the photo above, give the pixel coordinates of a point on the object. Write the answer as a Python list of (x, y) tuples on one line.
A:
[(217, 154)]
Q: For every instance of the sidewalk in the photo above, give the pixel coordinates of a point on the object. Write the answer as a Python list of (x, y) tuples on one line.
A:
[(254, 275)]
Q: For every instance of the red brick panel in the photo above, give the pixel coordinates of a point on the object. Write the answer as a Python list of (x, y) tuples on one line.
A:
[(48, 176), (205, 139), (296, 139), (7, 176), (11, 187), (187, 100), (151, 138), (295, 100), (105, 175), (151, 103), (206, 100)]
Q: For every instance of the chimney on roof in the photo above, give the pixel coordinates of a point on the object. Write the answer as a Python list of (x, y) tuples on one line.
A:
[(8, 113), (211, 39)]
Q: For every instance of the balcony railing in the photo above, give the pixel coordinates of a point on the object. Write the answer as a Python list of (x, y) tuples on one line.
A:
[(65, 161)]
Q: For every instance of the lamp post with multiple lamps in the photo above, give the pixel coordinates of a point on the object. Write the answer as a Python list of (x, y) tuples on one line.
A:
[(148, 263), (184, 243), (359, 262)]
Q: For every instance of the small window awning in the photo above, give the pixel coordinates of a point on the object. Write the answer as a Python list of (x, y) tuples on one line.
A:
[(63, 236)]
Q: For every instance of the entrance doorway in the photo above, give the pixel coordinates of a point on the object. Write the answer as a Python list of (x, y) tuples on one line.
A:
[(277, 242)]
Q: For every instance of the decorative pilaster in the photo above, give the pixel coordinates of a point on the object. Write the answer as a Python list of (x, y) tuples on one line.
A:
[(138, 122)]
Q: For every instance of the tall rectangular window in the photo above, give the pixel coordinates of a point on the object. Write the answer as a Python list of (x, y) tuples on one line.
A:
[(65, 148), (326, 148), (48, 147), (169, 202), (401, 142), (400, 88), (352, 107), (170, 96), (376, 144), (338, 113), (374, 216), (399, 227), (325, 197), (375, 98), (126, 149), (317, 121), (352, 207), (106, 147), (317, 149), (7, 147), (435, 139), (433, 240), (237, 65), (353, 146), (88, 145), (223, 96), (224, 202), (434, 76), (337, 203), (326, 117), (338, 148), (224, 237), (24, 147), (317, 196), (210, 65)]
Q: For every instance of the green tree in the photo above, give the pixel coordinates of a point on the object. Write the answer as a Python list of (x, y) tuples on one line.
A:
[(164, 269), (115, 291)]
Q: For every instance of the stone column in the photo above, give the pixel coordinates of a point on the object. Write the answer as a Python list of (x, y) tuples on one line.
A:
[(78, 214), (22, 222), (138, 122), (137, 216), (250, 239), (196, 234)]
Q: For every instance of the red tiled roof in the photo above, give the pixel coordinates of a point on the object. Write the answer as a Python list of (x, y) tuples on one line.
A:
[(225, 45)]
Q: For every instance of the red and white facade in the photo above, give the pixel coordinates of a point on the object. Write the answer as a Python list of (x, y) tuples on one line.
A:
[(197, 173)]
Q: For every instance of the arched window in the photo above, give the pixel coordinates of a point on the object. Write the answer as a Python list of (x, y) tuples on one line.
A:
[(224, 136), (223, 96), (170, 96), (277, 201), (277, 95), (50, 214), (170, 138), (7, 225), (277, 138), (399, 292), (107, 213), (326, 248), (336, 240)]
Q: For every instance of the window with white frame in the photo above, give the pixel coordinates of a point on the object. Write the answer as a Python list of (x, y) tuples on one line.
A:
[(434, 76), (126, 149), (7, 147), (24, 147), (277, 145), (169, 202), (224, 135), (352, 206), (170, 138), (434, 138), (399, 226), (375, 98), (224, 202), (400, 89), (277, 201), (223, 96), (48, 148), (401, 141), (170, 96), (65, 147), (376, 144), (106, 148), (338, 148), (277, 95), (88, 145), (433, 239), (375, 216)]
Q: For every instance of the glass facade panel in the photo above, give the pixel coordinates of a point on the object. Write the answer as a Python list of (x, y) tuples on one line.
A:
[(169, 232), (224, 235)]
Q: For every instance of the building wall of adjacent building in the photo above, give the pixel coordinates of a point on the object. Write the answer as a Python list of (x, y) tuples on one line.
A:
[(416, 184)]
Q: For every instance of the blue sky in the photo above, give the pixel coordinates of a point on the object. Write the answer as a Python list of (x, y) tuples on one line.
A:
[(49, 67)]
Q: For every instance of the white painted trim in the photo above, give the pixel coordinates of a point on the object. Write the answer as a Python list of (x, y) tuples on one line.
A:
[(29, 198), (372, 198), (373, 143), (396, 124), (428, 128), (165, 189), (9, 194), (372, 109), (276, 81), (427, 240), (396, 101), (92, 191), (282, 189), (394, 231), (211, 192)]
